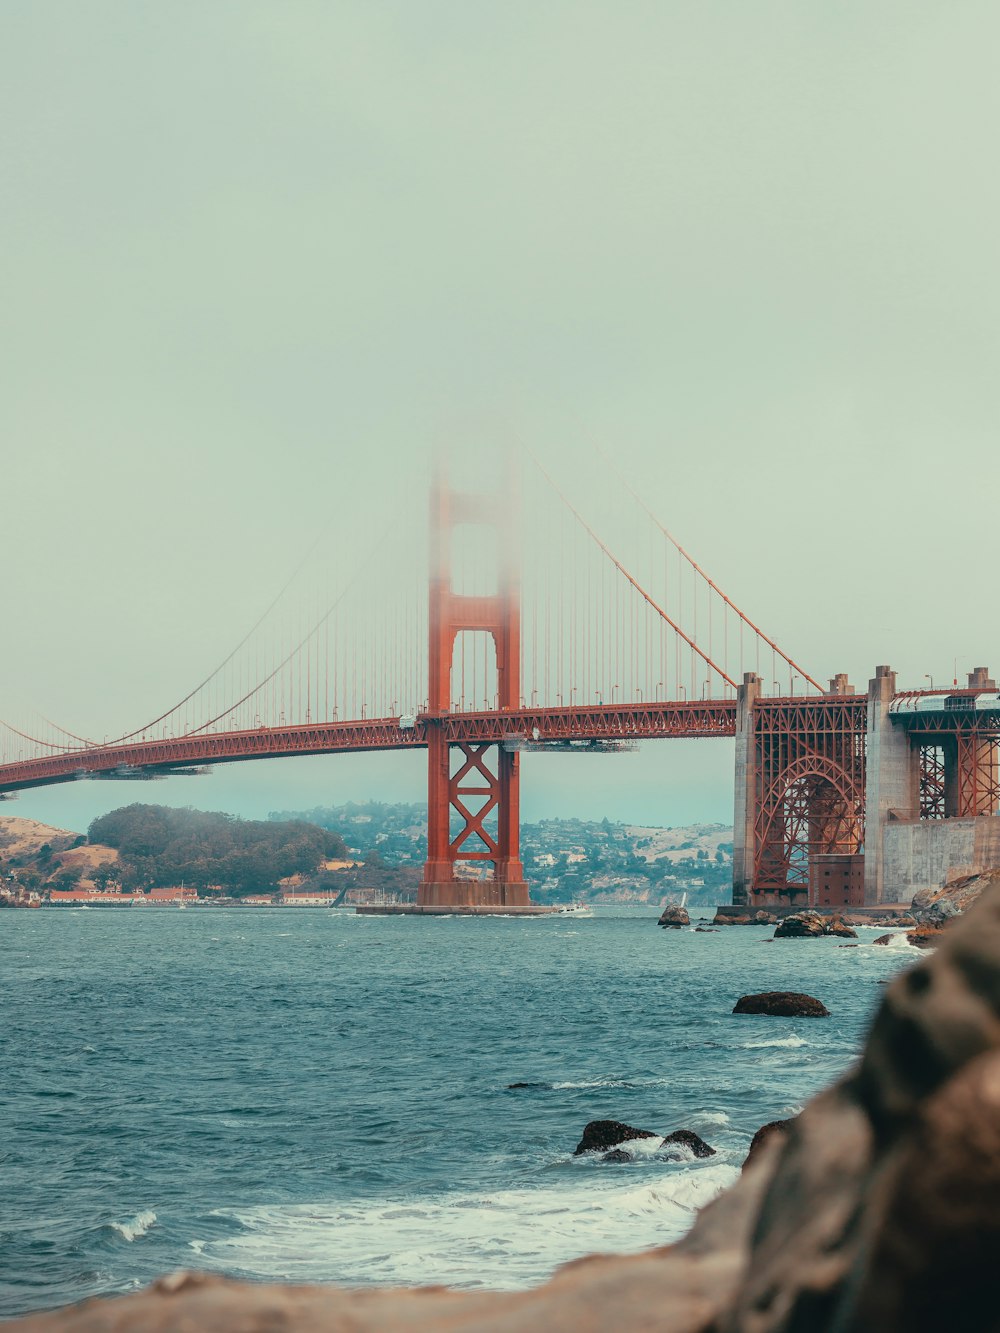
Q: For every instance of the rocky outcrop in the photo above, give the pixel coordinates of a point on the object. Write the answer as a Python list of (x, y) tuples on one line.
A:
[(878, 919), (925, 937), (675, 916), (782, 1004), (800, 926), (936, 907), (758, 918), (687, 1138), (874, 1211), (837, 926), (811, 925), (601, 1135)]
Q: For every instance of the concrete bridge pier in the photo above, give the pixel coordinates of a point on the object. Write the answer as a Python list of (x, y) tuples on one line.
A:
[(747, 781), (892, 780)]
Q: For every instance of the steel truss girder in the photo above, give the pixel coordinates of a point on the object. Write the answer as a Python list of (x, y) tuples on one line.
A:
[(809, 758)]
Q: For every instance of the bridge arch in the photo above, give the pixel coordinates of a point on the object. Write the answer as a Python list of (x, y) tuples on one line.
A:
[(813, 805)]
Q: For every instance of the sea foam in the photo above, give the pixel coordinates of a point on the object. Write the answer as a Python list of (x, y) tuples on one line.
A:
[(505, 1239), (137, 1226)]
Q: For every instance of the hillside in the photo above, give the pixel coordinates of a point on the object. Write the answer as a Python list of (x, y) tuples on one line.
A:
[(38, 856), (565, 860)]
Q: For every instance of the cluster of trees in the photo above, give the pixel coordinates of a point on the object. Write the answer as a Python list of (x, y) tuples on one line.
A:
[(159, 846)]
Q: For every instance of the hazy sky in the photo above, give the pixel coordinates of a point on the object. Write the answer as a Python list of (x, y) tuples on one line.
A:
[(258, 258)]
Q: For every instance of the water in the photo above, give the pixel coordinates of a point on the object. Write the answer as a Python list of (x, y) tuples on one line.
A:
[(315, 1096)]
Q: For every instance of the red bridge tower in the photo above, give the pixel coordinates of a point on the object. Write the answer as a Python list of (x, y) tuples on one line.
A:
[(465, 778)]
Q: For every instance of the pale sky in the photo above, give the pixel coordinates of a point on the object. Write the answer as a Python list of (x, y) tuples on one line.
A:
[(258, 259)]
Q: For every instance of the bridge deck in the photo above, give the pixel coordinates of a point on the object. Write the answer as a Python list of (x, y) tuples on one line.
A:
[(699, 718)]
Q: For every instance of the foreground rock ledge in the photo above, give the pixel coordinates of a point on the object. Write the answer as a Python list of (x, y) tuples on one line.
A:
[(877, 1210)]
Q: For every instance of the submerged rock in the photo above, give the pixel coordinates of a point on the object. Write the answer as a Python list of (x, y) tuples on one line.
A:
[(782, 1004), (617, 1155), (675, 916), (800, 926), (602, 1134), (705, 930)]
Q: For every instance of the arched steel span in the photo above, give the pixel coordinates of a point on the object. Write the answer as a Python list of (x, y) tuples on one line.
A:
[(699, 718)]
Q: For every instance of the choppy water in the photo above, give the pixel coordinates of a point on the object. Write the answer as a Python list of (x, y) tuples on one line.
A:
[(318, 1096)]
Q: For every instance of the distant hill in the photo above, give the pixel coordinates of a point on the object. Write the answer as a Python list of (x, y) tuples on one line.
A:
[(38, 856), (565, 860)]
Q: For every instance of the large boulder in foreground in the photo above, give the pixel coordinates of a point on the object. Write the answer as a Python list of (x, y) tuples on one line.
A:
[(674, 915), (782, 1004), (874, 1211)]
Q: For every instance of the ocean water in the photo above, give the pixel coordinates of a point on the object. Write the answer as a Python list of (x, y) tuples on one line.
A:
[(316, 1096)]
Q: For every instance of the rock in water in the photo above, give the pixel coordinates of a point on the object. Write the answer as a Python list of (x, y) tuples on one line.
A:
[(884, 939), (687, 1138), (617, 1155), (837, 926), (675, 916), (782, 1004), (600, 1135), (800, 926), (773, 1129)]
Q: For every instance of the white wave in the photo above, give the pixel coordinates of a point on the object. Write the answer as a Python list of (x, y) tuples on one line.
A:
[(503, 1240), (898, 940), (136, 1226), (592, 1083), (711, 1117), (589, 1083), (791, 1041)]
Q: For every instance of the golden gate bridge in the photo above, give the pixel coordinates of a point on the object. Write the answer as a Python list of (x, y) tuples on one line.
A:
[(531, 631)]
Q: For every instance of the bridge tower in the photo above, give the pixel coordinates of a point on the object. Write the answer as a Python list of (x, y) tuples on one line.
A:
[(465, 779)]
